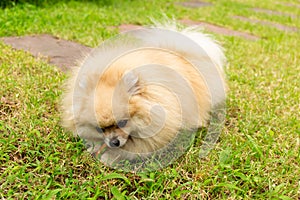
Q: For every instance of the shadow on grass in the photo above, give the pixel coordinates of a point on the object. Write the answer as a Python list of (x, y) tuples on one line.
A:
[(45, 3)]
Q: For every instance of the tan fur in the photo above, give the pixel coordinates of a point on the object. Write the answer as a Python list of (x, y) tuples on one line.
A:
[(154, 111), (151, 93)]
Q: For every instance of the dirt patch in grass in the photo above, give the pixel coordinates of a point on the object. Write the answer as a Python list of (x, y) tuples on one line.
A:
[(219, 29), (62, 53), (8, 107)]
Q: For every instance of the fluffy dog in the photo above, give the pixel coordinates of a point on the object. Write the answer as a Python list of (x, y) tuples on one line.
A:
[(135, 93)]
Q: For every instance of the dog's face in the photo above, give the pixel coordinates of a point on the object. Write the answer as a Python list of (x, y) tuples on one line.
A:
[(115, 135), (116, 107)]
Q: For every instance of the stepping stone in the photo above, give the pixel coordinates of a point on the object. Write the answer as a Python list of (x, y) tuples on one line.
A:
[(294, 5), (272, 24), (273, 12), (128, 27), (219, 29), (62, 53), (66, 54), (125, 27), (194, 4)]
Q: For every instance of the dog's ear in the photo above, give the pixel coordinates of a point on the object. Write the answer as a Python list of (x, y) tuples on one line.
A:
[(131, 83)]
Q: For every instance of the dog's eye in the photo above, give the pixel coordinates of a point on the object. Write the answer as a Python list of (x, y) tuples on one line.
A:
[(122, 123), (100, 130)]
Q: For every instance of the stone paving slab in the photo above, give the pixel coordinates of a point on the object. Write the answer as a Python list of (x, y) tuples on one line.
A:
[(128, 27), (207, 26), (294, 5), (219, 29), (194, 4), (66, 54), (273, 12), (271, 24), (62, 53)]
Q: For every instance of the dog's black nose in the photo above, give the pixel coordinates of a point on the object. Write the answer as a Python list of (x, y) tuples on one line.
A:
[(114, 142)]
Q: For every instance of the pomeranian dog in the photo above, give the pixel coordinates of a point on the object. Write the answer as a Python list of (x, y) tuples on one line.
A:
[(136, 92)]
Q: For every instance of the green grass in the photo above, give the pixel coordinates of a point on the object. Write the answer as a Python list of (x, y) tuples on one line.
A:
[(258, 154)]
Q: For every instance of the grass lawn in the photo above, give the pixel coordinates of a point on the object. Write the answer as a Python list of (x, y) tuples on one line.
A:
[(257, 157)]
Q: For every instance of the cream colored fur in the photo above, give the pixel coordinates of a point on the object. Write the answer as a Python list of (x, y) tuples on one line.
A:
[(161, 88)]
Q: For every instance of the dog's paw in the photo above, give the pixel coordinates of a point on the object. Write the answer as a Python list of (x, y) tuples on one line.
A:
[(110, 158)]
